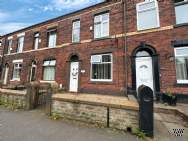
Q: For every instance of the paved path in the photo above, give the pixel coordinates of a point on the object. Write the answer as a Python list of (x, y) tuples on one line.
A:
[(35, 126)]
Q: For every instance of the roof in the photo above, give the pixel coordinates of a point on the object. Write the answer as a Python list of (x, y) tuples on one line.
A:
[(55, 19)]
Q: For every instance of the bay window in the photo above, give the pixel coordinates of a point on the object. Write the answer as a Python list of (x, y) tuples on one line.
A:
[(181, 55), (76, 31), (181, 10), (49, 70), (101, 26), (101, 67), (147, 15)]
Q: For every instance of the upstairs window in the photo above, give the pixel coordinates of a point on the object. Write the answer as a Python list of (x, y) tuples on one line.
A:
[(181, 10), (147, 15), (0, 43), (52, 37), (101, 67), (76, 31), (36, 41), (9, 48), (181, 55), (17, 71), (49, 70), (20, 44), (101, 26)]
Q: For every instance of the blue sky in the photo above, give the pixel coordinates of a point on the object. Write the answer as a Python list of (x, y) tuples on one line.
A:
[(17, 14)]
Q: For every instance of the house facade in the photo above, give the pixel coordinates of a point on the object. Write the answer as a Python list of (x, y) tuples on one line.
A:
[(109, 48)]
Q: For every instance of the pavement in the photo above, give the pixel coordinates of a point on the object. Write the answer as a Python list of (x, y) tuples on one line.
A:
[(36, 126)]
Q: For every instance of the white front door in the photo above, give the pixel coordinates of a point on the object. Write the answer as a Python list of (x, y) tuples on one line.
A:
[(74, 72), (6, 75), (144, 72)]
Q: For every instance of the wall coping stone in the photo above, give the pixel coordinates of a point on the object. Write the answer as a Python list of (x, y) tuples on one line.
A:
[(13, 92), (98, 100)]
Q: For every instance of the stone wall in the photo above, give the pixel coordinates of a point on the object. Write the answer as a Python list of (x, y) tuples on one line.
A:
[(13, 99), (119, 118)]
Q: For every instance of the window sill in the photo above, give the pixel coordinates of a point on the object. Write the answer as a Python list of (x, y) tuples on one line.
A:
[(47, 81), (142, 30), (180, 25), (108, 82), (102, 38), (15, 80)]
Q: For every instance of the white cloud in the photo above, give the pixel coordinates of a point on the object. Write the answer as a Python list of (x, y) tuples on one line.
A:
[(11, 27), (68, 4)]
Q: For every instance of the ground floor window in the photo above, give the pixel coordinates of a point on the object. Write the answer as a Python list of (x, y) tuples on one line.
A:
[(101, 67), (49, 70), (17, 71), (181, 55)]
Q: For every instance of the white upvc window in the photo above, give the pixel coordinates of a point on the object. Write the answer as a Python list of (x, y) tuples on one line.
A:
[(17, 71), (49, 70), (9, 48), (101, 25), (52, 37), (181, 10), (101, 67), (76, 31), (36, 41), (20, 44), (0, 43), (147, 15), (181, 55)]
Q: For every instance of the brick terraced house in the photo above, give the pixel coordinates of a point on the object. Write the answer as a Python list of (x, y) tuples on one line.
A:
[(109, 48)]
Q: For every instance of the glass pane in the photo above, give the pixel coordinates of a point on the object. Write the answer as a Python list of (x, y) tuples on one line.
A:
[(46, 63), (96, 58), (76, 35), (142, 53), (97, 19), (52, 62), (182, 52), (97, 30), (49, 73), (105, 29), (52, 40), (36, 44), (147, 5), (105, 17), (147, 19), (106, 58), (182, 68), (181, 14), (101, 71)]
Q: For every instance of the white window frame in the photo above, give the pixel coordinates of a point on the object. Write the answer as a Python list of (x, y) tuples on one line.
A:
[(101, 24), (175, 51), (55, 41), (16, 62), (184, 2), (36, 36), (9, 46), (91, 71), (73, 30), (0, 43), (20, 48), (49, 65), (137, 13)]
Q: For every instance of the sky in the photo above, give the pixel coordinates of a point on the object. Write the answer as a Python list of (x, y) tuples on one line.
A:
[(18, 14)]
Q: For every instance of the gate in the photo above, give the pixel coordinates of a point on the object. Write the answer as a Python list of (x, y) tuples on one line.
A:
[(39, 95), (146, 110)]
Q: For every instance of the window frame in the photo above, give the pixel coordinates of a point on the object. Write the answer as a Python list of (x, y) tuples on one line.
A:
[(175, 52), (185, 2), (18, 68), (18, 44), (157, 11), (101, 24), (36, 36), (49, 66), (9, 47), (91, 70), (48, 37), (73, 29)]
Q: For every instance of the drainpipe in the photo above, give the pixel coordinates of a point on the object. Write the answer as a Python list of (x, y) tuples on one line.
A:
[(125, 46), (2, 58)]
